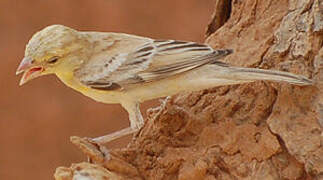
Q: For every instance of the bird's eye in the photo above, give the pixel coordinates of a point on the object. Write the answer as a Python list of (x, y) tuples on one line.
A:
[(53, 60)]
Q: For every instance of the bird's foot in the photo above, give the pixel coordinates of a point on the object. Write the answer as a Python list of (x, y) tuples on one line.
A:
[(93, 150)]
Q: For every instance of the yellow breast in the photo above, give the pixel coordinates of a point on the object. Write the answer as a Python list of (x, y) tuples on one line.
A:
[(109, 97)]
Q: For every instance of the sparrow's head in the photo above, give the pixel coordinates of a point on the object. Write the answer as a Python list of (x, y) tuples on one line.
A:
[(51, 50)]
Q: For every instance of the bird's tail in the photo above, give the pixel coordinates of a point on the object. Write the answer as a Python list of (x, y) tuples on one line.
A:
[(253, 74)]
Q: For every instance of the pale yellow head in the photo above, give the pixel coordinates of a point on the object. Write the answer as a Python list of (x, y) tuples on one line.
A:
[(54, 49)]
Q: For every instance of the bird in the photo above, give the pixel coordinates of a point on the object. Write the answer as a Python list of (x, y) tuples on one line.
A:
[(119, 68)]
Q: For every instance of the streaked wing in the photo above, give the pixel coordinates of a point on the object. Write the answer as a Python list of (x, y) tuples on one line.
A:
[(174, 57), (155, 60)]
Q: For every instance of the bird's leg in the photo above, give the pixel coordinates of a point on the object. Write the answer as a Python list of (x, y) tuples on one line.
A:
[(135, 117), (136, 122), (115, 135)]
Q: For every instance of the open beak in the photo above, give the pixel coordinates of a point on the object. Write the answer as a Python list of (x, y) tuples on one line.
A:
[(29, 69)]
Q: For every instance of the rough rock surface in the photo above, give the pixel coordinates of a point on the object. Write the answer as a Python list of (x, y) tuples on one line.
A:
[(260, 130)]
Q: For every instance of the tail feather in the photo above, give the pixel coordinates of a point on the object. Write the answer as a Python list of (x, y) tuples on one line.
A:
[(272, 75)]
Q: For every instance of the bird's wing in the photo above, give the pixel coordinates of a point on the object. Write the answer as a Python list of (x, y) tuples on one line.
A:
[(152, 61)]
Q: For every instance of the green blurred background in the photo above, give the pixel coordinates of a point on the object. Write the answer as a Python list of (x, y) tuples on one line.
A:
[(37, 119)]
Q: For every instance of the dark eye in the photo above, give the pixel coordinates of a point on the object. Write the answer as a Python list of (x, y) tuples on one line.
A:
[(53, 60)]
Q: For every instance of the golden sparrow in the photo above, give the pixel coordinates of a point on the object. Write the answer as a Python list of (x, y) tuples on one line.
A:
[(127, 69)]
